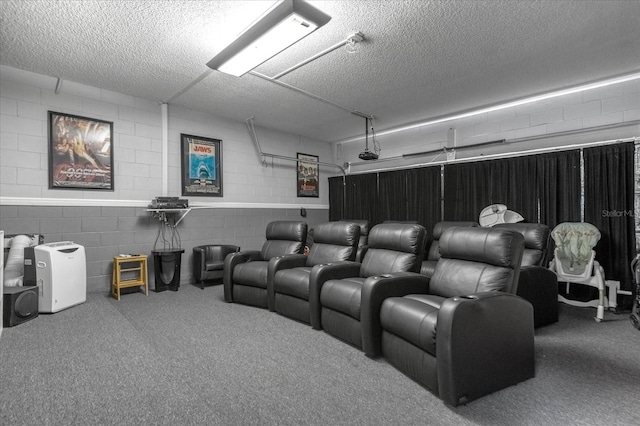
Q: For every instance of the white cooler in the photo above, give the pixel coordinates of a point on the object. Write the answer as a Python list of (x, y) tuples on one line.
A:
[(61, 274)]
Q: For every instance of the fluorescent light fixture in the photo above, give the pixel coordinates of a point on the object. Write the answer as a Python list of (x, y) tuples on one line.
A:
[(284, 24)]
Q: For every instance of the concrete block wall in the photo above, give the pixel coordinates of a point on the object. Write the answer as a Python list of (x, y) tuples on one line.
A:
[(108, 223), (616, 106), (26, 98), (246, 179), (106, 232)]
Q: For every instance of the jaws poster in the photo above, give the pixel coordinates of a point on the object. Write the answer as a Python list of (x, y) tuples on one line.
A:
[(201, 166)]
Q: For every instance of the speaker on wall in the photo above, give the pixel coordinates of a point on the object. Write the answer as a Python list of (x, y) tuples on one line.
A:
[(20, 304)]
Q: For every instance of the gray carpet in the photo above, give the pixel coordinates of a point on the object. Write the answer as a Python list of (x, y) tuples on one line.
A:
[(188, 358)]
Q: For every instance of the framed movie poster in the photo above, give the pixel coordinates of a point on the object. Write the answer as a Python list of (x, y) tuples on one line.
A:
[(201, 166), (80, 152), (307, 171)]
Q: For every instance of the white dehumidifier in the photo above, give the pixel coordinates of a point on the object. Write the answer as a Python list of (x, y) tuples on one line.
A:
[(61, 274)]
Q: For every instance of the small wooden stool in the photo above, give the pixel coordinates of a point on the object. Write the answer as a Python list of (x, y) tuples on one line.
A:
[(134, 265)]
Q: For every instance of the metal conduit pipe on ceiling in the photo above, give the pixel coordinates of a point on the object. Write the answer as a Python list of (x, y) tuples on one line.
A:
[(262, 155)]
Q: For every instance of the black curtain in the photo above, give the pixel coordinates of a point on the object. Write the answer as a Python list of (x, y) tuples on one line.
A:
[(544, 188), (609, 205), (511, 181), (467, 190), (401, 195), (361, 198), (336, 198), (558, 187), (424, 197), (470, 187), (394, 193)]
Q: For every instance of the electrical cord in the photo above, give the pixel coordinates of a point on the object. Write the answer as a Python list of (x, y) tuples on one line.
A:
[(376, 144)]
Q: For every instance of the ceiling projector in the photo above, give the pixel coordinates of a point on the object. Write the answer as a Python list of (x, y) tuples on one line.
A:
[(368, 155)]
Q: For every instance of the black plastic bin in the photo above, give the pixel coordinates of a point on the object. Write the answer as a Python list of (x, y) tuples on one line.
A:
[(166, 268)]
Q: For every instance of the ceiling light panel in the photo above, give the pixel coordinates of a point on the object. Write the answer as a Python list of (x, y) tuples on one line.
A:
[(284, 24)]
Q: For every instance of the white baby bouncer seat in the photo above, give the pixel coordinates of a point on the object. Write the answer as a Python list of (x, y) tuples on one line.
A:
[(498, 213), (575, 261)]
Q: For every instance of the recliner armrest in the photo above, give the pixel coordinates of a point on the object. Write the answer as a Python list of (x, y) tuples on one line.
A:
[(484, 342), (321, 274), (226, 250), (287, 261), (230, 262), (374, 291), (276, 264), (250, 255), (539, 286), (428, 267)]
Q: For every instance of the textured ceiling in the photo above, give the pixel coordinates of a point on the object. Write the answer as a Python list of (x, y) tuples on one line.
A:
[(421, 59)]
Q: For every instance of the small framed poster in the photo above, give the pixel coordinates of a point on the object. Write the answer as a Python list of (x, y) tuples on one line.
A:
[(307, 175), (201, 166), (80, 152)]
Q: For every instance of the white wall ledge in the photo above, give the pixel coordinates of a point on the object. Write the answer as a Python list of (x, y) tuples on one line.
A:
[(75, 202)]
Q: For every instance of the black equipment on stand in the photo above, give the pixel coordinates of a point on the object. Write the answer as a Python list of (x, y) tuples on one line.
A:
[(167, 253)]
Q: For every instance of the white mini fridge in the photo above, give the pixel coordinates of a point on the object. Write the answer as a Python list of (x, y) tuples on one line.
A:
[(61, 274)]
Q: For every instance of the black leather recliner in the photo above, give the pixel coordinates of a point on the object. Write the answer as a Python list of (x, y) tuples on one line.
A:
[(288, 281), (470, 335), (537, 283), (208, 262), (433, 253), (246, 272), (337, 290)]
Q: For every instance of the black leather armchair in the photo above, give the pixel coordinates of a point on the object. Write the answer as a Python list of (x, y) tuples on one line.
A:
[(208, 262), (289, 276), (246, 272), (470, 335), (336, 292), (433, 253), (537, 283)]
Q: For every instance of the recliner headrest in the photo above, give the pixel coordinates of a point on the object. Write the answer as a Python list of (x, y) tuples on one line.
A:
[(363, 224), (536, 235), (284, 237), (334, 241), (495, 246), (287, 230), (393, 247), (338, 233), (440, 227), (477, 260), (408, 238)]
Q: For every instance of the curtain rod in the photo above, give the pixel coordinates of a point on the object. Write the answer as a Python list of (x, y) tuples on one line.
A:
[(635, 139), (444, 150)]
